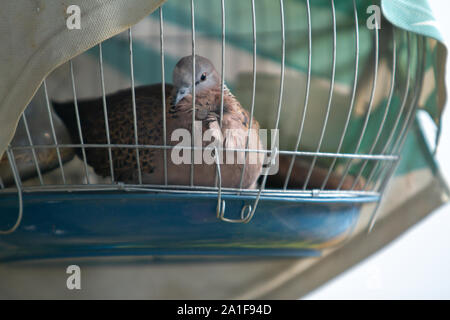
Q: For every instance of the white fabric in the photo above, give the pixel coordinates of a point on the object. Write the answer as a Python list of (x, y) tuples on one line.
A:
[(34, 40)]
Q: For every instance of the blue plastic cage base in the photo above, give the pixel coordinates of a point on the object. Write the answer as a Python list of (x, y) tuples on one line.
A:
[(77, 224)]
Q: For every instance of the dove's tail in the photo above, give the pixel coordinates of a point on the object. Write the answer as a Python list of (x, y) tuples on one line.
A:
[(66, 112)]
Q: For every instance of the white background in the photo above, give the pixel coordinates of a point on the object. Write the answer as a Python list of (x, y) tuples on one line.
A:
[(416, 265)]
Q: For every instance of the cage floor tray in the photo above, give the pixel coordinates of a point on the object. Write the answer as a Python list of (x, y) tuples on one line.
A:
[(62, 224)]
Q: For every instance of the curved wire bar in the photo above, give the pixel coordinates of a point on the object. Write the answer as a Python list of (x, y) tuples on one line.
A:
[(399, 115), (163, 88), (330, 98), (133, 99), (52, 126), (306, 102), (222, 73), (386, 112), (369, 108), (105, 111), (193, 91), (252, 107), (77, 115), (274, 149), (33, 150), (12, 163), (398, 146), (352, 101)]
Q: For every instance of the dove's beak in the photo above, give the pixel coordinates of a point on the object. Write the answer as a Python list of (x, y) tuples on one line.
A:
[(181, 93)]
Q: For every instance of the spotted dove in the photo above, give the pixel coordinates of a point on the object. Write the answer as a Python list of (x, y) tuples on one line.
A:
[(149, 115)]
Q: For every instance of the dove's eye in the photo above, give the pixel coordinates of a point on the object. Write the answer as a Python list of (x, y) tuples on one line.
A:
[(203, 77)]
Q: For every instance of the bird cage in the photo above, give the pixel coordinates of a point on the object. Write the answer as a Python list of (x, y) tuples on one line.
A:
[(336, 98)]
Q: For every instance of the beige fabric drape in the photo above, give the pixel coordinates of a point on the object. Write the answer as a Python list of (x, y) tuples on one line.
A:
[(34, 40)]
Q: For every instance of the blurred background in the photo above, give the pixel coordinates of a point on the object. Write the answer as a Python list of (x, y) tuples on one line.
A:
[(417, 264)]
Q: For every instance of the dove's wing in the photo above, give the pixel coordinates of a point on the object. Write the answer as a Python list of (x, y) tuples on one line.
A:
[(121, 126)]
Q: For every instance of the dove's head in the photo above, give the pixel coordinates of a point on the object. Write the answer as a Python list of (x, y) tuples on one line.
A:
[(206, 76)]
